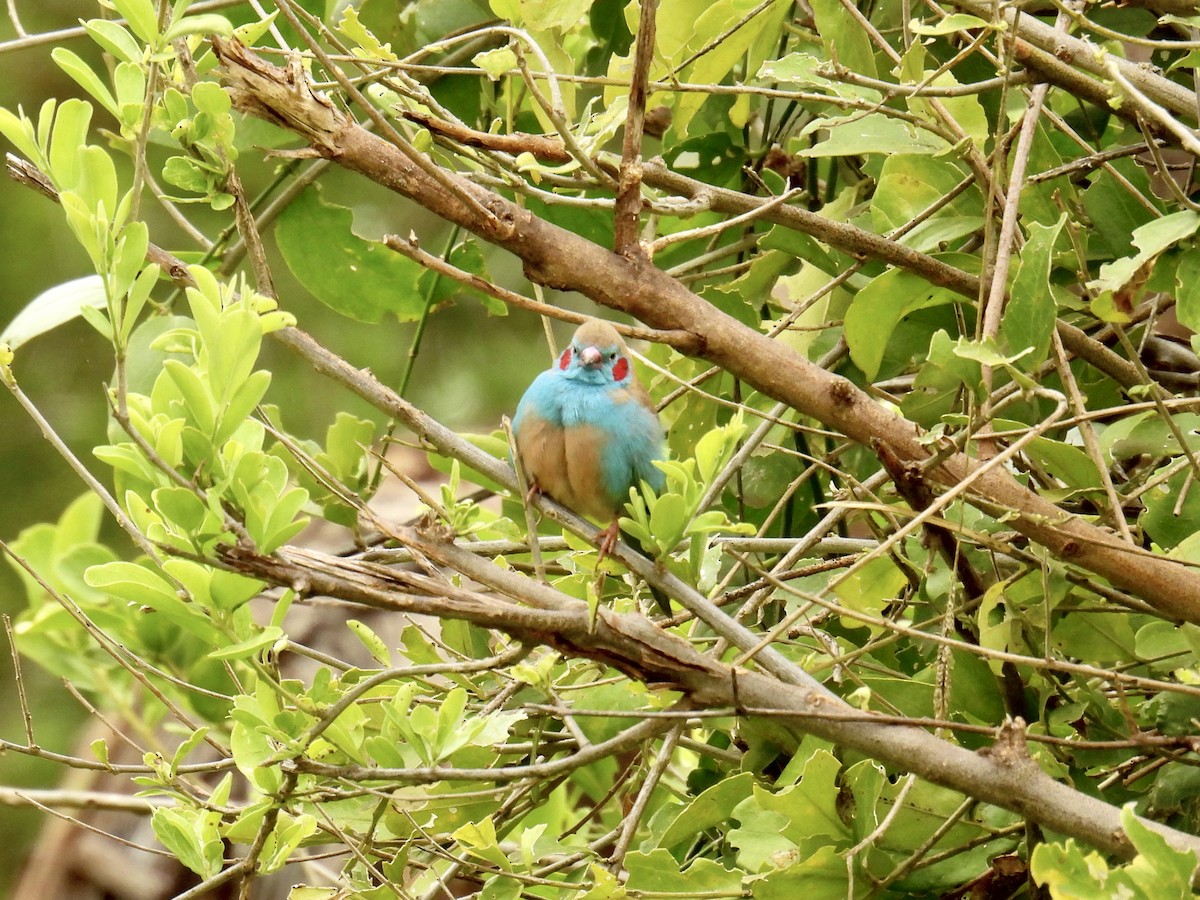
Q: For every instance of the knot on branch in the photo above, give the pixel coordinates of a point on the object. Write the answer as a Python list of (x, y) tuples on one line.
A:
[(283, 96), (1009, 749), (842, 391), (434, 529)]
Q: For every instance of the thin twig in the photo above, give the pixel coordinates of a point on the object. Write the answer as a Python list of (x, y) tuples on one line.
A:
[(633, 818), (1090, 441), (26, 718), (629, 179)]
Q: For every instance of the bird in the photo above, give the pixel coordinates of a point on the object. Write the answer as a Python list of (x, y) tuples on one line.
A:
[(586, 430)]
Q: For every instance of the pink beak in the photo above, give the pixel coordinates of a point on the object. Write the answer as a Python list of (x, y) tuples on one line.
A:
[(590, 357)]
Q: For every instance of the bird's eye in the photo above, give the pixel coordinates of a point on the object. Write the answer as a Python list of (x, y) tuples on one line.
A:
[(612, 354)]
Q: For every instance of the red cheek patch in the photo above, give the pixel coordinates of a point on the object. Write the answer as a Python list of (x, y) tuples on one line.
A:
[(565, 359), (620, 369)]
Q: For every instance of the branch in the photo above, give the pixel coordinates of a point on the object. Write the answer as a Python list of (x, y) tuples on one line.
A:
[(629, 182), (110, 802), (543, 146), (559, 258), (1003, 774), (1084, 54)]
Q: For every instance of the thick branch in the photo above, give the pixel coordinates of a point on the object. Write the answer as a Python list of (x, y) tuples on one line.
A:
[(559, 258), (1086, 55)]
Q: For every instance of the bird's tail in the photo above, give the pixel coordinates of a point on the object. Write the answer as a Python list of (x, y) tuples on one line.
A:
[(661, 600)]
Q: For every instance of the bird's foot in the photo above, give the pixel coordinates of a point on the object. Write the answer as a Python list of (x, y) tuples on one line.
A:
[(608, 540), (533, 491)]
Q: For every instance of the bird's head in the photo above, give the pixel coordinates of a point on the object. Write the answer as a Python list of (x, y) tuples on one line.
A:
[(597, 355)]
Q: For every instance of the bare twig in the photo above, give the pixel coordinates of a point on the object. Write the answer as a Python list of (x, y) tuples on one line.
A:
[(629, 180)]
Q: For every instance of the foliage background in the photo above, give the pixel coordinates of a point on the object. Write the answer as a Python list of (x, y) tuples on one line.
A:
[(838, 167), (67, 368)]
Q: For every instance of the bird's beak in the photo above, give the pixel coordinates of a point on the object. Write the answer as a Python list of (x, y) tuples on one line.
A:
[(590, 357)]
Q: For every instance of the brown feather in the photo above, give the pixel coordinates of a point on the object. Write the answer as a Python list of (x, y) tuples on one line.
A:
[(565, 465)]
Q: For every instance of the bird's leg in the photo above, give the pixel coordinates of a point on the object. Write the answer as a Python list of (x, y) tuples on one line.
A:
[(608, 540), (534, 490)]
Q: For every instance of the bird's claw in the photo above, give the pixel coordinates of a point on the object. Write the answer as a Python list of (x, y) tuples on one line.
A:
[(534, 490), (608, 540)]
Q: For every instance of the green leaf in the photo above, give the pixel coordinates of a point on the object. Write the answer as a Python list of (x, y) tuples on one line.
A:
[(283, 840), (1147, 433), (449, 720), (1070, 874), (249, 647), (803, 70), (191, 835), (352, 27), (821, 875), (209, 97), (986, 353), (70, 63), (374, 643), (843, 38), (731, 39), (496, 63), (1172, 513), (180, 506), (658, 871), (1175, 714), (759, 837), (141, 18), (1029, 317), (346, 443), (953, 23), (810, 805), (232, 352), (879, 306), (130, 83), (206, 23), (1157, 639), (129, 253), (360, 279), (53, 307), (713, 807), (133, 583), (1066, 462), (196, 394), (247, 396), (479, 839), (186, 173), (1151, 239), (870, 587), (19, 131), (940, 380), (99, 749), (1158, 869), (908, 185), (860, 134), (251, 749), (69, 134), (115, 38), (1187, 289), (187, 746), (1114, 212), (1100, 642), (230, 590), (139, 293), (667, 521)]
